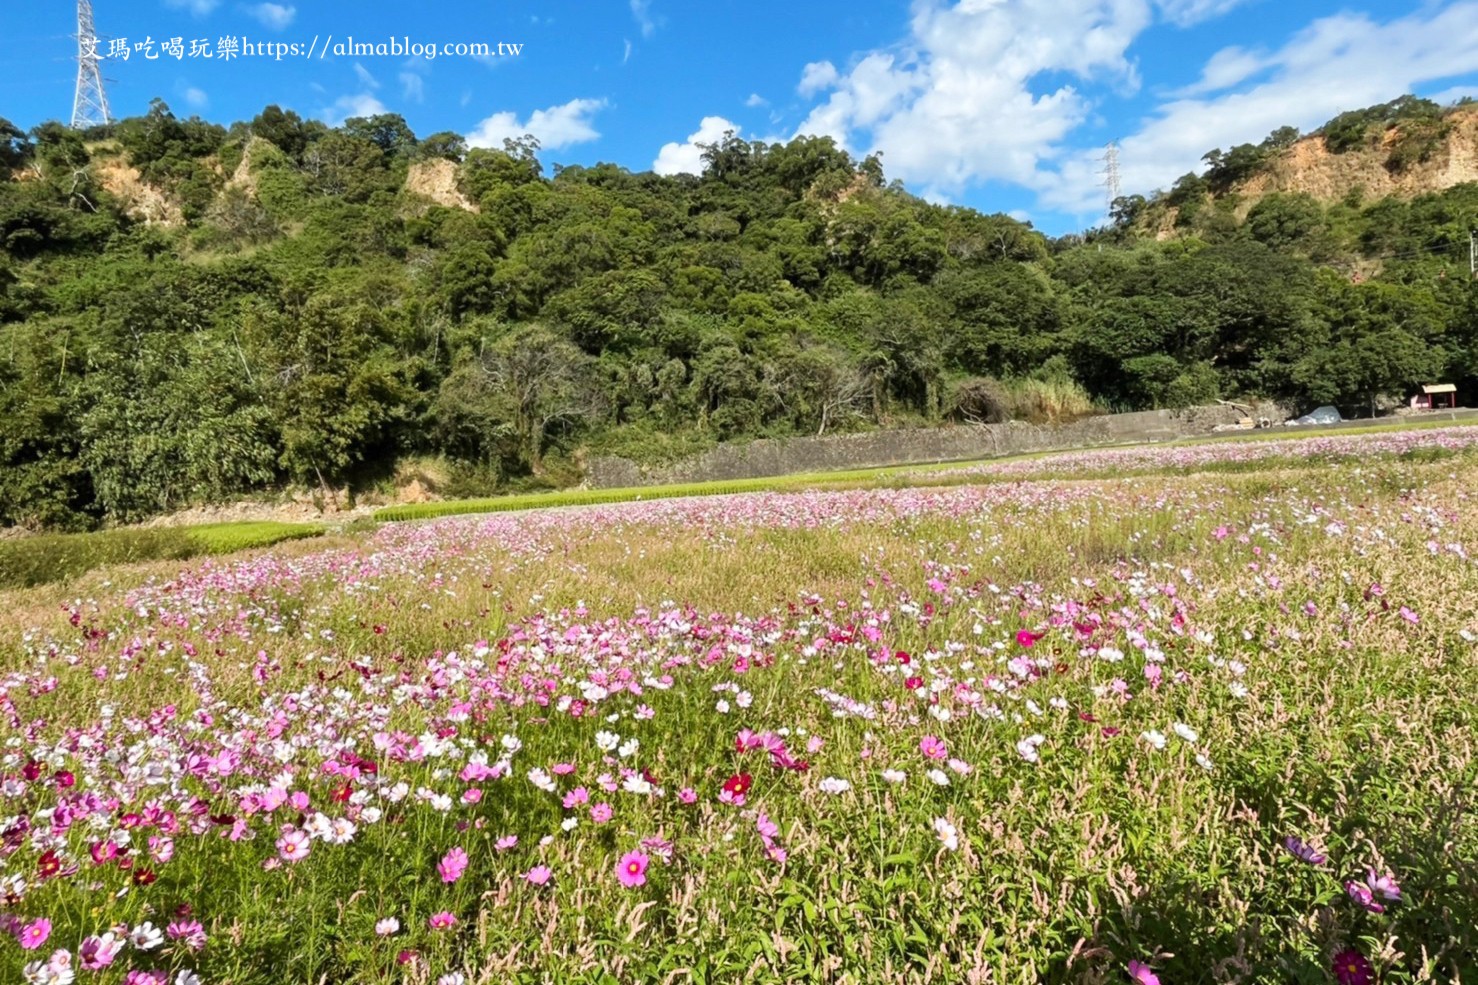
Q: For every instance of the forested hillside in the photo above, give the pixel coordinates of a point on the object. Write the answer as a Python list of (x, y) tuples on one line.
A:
[(190, 312)]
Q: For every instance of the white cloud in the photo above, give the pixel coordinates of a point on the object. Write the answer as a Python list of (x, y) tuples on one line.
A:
[(556, 127), (954, 103), (1227, 68), (817, 76), (412, 87), (362, 104), (687, 157), (1337, 63), (755, 101), (274, 15), (366, 79), (1188, 12), (197, 7), (642, 11), (626, 55), (196, 98)]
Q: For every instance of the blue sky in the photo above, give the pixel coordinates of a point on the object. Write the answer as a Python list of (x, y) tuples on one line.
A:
[(1003, 105)]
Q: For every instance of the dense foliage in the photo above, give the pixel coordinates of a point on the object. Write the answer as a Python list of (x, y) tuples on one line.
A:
[(307, 317)]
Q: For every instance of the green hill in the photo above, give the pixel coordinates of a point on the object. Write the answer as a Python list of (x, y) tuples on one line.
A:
[(190, 312)]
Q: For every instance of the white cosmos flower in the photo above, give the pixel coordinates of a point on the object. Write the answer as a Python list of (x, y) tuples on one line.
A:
[(146, 936), (343, 831), (1237, 689), (721, 706), (1154, 738), (629, 748), (1027, 747), (835, 785), (894, 776), (938, 777), (1203, 762), (607, 741), (1186, 732), (948, 836)]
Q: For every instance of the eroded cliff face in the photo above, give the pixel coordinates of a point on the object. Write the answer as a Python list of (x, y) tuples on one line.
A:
[(1310, 167)]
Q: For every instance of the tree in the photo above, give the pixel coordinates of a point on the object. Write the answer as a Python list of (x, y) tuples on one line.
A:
[(543, 382), (387, 131)]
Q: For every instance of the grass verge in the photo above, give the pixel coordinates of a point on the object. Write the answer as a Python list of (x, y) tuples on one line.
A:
[(57, 557)]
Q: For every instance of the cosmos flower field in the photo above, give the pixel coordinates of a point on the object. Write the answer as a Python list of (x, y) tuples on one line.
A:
[(1184, 726)]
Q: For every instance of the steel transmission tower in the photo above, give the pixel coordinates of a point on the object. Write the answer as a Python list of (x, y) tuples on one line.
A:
[(90, 104), (1110, 172)]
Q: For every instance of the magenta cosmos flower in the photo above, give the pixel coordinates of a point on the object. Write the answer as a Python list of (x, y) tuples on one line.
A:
[(632, 869), (34, 934), (1351, 968), (1141, 973), (451, 867), (442, 920)]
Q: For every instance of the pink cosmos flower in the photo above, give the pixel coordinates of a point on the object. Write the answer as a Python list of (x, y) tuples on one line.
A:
[(34, 934), (933, 747), (1384, 885), (1027, 639), (632, 869), (451, 867), (1352, 968), (442, 920), (576, 797), (506, 842), (1141, 973), (189, 931), (1362, 896), (98, 952), (601, 813), (293, 845), (299, 800), (562, 769), (539, 875), (688, 795), (136, 977)]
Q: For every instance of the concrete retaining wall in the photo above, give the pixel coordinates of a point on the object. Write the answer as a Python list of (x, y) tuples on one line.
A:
[(771, 457)]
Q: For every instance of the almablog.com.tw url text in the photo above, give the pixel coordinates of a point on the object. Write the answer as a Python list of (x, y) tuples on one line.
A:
[(232, 48)]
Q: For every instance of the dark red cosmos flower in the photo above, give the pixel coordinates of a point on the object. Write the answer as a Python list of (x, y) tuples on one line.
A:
[(902, 657), (1352, 968), (341, 795), (143, 877), (31, 770), (1087, 716), (738, 784), (49, 864), (1109, 732), (914, 683)]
